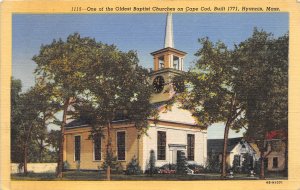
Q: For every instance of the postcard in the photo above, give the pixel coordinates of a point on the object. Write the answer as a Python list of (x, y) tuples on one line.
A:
[(149, 94)]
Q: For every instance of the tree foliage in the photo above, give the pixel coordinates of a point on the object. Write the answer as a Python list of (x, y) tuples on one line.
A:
[(63, 65), (211, 94), (213, 163), (118, 89), (16, 150), (98, 80), (262, 66), (245, 87), (31, 112)]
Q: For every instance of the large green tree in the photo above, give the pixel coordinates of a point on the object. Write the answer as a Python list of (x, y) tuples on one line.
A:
[(262, 66), (98, 80), (16, 88), (118, 89), (53, 140), (30, 113), (63, 65), (211, 94)]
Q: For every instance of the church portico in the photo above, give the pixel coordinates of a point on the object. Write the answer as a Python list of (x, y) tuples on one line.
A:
[(174, 151)]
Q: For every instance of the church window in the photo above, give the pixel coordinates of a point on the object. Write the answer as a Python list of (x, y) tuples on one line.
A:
[(77, 148), (275, 162), (190, 147), (121, 145), (97, 147), (161, 145)]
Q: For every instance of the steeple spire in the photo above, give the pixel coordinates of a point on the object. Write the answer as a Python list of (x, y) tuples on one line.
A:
[(169, 41)]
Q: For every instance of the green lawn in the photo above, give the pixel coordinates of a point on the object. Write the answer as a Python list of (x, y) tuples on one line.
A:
[(94, 176)]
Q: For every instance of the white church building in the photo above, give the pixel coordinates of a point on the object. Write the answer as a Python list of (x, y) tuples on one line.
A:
[(174, 131)]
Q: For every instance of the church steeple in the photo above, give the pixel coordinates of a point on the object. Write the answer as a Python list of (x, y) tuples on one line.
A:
[(168, 57), (168, 63), (169, 41)]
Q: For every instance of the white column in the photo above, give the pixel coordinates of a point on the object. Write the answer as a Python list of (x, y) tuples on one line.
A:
[(171, 60), (181, 64)]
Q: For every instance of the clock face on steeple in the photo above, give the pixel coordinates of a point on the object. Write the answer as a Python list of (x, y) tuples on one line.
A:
[(158, 84)]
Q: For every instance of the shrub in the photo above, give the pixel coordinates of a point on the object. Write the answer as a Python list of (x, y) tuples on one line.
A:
[(133, 168), (66, 165), (197, 168), (213, 163), (236, 168), (152, 160), (118, 168), (167, 169), (247, 163), (155, 170), (257, 166), (114, 164), (181, 166)]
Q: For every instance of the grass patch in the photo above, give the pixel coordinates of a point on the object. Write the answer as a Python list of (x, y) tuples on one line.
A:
[(95, 176), (33, 176)]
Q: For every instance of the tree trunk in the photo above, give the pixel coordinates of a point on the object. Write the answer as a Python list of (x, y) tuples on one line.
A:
[(224, 156), (60, 161), (41, 151), (26, 149), (138, 148), (230, 119), (286, 158), (109, 151), (262, 165), (42, 140), (25, 158)]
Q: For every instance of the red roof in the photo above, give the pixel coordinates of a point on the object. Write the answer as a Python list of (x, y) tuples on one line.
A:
[(276, 134)]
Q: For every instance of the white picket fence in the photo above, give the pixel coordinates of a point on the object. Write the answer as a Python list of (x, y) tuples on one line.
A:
[(35, 167)]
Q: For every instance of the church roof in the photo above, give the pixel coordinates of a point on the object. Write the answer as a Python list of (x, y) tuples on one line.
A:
[(79, 123), (216, 145), (170, 50), (76, 123), (172, 113)]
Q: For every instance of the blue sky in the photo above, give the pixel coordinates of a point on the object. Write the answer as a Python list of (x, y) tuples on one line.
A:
[(141, 32)]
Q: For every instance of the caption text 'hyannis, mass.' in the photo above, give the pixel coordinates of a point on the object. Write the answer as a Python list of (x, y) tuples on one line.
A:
[(178, 9)]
